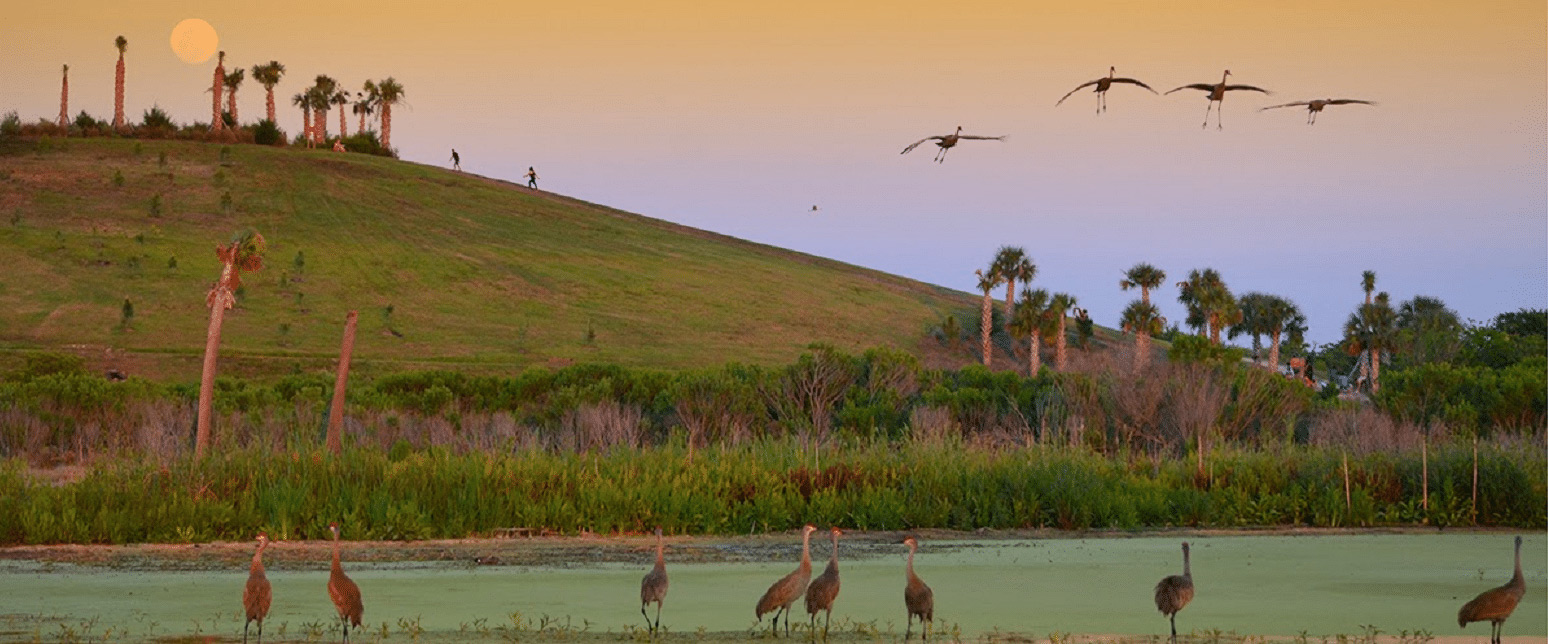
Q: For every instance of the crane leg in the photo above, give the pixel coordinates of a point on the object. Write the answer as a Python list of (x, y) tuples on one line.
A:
[(812, 628), (646, 615), (910, 628), (828, 618), (1219, 123), (658, 617), (928, 624), (260, 631), (244, 630), (1207, 108), (1174, 628)]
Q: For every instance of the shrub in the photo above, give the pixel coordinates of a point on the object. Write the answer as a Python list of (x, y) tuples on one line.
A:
[(11, 125), (367, 143), (156, 123), (266, 132)]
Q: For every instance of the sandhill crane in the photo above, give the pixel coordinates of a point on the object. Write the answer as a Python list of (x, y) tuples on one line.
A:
[(946, 141), (653, 588), (789, 588), (824, 589), (257, 594), (342, 590), (1315, 106), (1102, 85), (917, 596), (1174, 592), (1217, 94), (1496, 604)]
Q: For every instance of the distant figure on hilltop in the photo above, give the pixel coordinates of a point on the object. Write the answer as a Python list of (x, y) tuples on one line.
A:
[(456, 161), (531, 176)]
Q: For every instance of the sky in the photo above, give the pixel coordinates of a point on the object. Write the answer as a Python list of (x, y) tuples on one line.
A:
[(737, 117)]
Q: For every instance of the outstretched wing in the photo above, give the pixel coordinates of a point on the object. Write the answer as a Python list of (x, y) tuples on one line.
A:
[(1133, 82), (1077, 88), (984, 138), (1286, 105), (915, 144), (1345, 101), (1247, 87), (1199, 86)]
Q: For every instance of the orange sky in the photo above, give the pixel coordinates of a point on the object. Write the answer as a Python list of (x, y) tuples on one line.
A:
[(737, 116)]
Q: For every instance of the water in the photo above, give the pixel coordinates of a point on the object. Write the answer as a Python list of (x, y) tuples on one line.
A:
[(1275, 585)]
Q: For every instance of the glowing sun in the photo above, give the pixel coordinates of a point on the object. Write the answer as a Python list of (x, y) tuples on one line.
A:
[(194, 41)]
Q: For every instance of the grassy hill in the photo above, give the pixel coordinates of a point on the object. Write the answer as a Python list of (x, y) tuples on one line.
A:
[(478, 273)]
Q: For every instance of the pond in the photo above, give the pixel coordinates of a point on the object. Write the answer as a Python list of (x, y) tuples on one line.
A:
[(1279, 586)]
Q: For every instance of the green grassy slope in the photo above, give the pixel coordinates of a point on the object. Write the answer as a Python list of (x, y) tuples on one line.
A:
[(478, 272)]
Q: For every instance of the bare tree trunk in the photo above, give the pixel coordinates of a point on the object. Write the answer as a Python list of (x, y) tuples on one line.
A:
[(306, 125), (231, 105), (269, 104), (984, 325), (1141, 350), (360, 129), (219, 301), (1034, 355), (336, 414), (1475, 479), (64, 100), (343, 124), (1010, 301), (1375, 370), (1060, 345), (118, 94), (1348, 502), (216, 124), (1274, 353), (1424, 477), (320, 124)]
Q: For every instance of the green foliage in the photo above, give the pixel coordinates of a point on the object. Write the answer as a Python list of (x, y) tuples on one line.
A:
[(367, 143), (1514, 397), (39, 365), (118, 178), (156, 121), (266, 132), (1193, 349), (126, 314), (155, 205), (11, 125), (89, 125)]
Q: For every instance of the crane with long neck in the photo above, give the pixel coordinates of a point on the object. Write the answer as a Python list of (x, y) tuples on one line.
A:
[(917, 596), (1496, 604), (257, 594), (788, 589), (653, 588)]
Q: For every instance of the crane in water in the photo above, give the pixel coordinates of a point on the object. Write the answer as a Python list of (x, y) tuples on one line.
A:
[(1495, 604), (788, 589), (342, 590), (824, 590), (1174, 592), (917, 596), (653, 588), (257, 594)]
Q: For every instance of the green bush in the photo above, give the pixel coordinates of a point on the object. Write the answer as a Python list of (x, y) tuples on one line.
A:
[(367, 143), (266, 132)]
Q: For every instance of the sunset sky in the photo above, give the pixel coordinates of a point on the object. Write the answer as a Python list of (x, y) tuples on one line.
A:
[(737, 117)]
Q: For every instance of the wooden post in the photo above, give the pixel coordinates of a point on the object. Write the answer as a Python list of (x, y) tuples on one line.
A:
[(336, 414), (1424, 455), (1348, 504), (1475, 479)]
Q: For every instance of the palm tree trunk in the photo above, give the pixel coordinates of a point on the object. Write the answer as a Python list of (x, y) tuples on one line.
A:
[(320, 125), (1375, 370), (1010, 299), (216, 123), (64, 99), (1141, 350), (306, 125), (220, 300), (1060, 344), (231, 105), (1274, 352), (1034, 355), (387, 126), (343, 124), (360, 127), (118, 94), (269, 104), (983, 324), (336, 413)]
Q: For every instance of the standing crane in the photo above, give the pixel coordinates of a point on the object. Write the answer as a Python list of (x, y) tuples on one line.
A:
[(1174, 592), (1496, 604), (946, 141), (917, 596), (1315, 106), (824, 589), (257, 594), (1102, 85), (342, 590), (789, 588), (653, 588), (1217, 94)]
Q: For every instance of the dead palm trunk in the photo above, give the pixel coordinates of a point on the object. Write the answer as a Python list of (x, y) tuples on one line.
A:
[(336, 414), (984, 324), (118, 91), (220, 299), (64, 99), (216, 123)]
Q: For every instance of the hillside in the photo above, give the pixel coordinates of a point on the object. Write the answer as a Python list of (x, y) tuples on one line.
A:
[(478, 273)]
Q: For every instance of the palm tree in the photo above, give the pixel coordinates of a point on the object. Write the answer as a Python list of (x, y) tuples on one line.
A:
[(1028, 321), (390, 93), (323, 89), (1144, 277), (64, 99), (1372, 329), (1058, 305), (1427, 329), (1270, 315), (1012, 263), (268, 74), (1143, 320), (216, 123), (244, 254), (118, 84), (986, 283), (1211, 307), (363, 108), (341, 98), (304, 101), (233, 81), (1368, 282)]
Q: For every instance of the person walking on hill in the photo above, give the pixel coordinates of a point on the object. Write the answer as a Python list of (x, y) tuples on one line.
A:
[(456, 161), (531, 176)]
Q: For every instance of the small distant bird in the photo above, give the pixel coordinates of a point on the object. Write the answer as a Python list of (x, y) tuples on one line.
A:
[(342, 590), (1102, 85), (823, 591), (1313, 107), (653, 588), (1217, 94), (917, 596), (1495, 605), (257, 594), (1174, 592), (814, 208), (789, 588), (946, 141)]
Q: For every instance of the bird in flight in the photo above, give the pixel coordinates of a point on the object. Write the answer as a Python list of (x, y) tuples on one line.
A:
[(1102, 85), (946, 141), (1217, 94), (1313, 107), (814, 208)]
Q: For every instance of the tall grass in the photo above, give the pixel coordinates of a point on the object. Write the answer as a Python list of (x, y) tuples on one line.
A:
[(771, 484)]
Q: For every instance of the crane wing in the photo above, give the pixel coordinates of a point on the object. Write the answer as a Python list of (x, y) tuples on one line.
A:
[(1345, 101), (915, 144), (1247, 87), (1077, 88), (1199, 86), (988, 138), (1133, 82), (1286, 105)]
